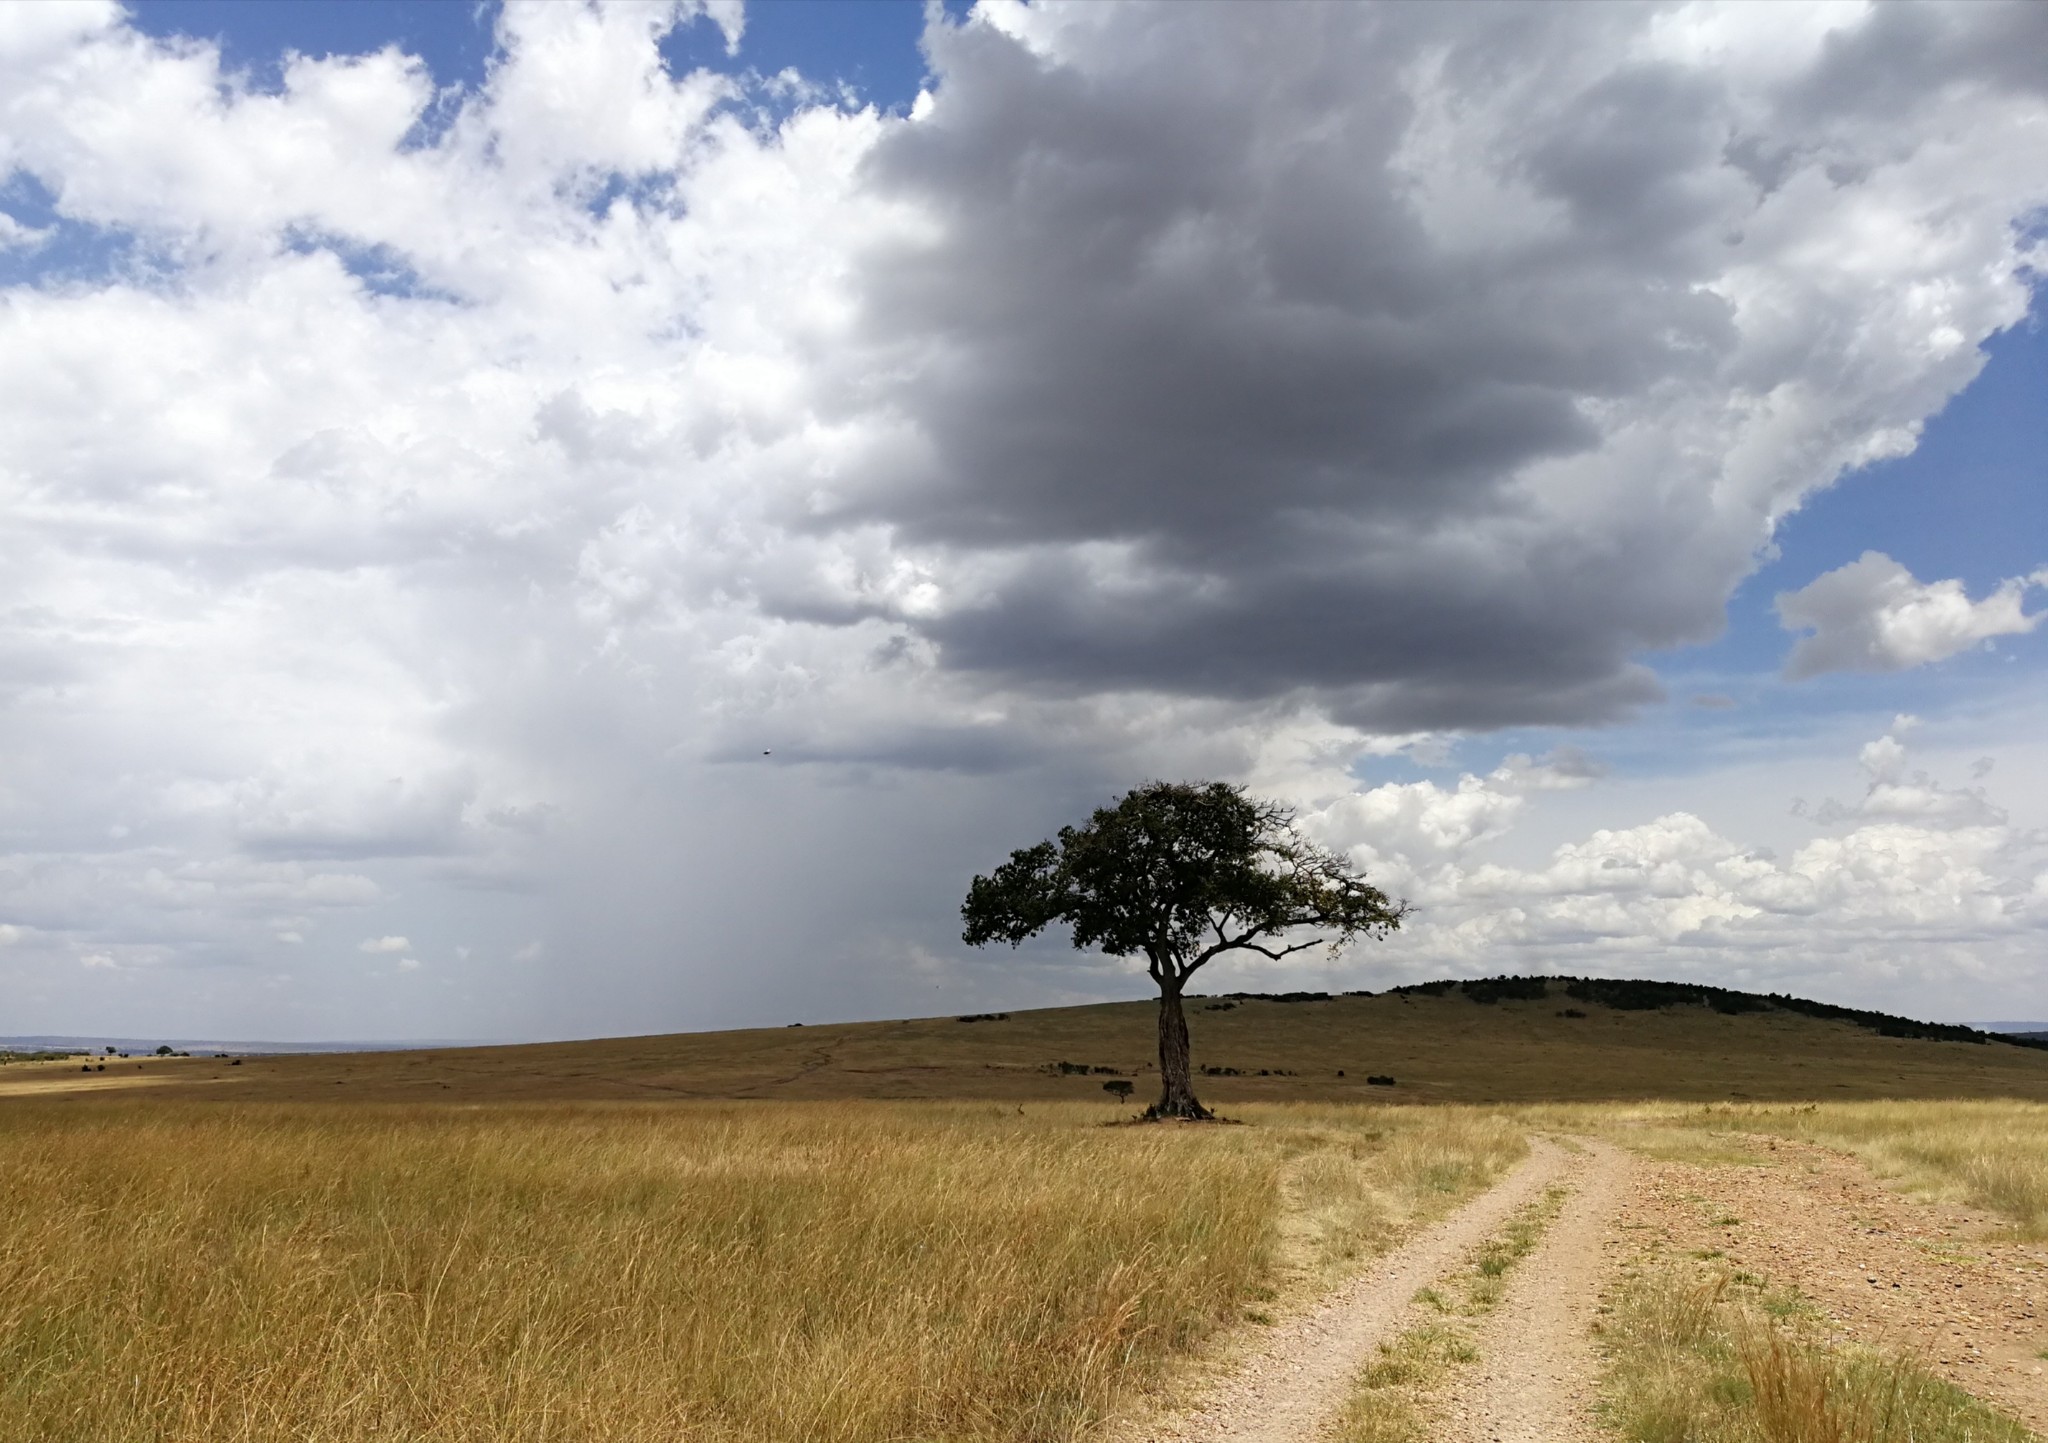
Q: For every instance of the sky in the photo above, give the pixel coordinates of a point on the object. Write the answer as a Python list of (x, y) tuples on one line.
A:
[(563, 520)]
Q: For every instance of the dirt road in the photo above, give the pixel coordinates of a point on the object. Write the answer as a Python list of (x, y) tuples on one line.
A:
[(1537, 1377), (1297, 1376), (1933, 1280), (1884, 1269)]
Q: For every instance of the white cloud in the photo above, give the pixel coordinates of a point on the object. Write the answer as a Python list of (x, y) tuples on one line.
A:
[(1920, 877), (408, 964), (1894, 794), (383, 944), (1872, 615), (15, 236)]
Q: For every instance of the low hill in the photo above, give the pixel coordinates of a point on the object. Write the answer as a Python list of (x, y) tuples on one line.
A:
[(1504, 1040)]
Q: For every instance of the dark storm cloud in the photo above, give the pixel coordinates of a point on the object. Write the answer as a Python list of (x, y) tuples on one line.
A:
[(1191, 289), (1907, 54)]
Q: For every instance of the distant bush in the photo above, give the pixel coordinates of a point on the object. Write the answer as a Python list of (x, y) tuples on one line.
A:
[(1636, 994), (984, 1017), (1489, 990), (1279, 996), (1379, 1079)]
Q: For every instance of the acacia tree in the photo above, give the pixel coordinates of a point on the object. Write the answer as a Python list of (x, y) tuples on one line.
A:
[(1180, 873)]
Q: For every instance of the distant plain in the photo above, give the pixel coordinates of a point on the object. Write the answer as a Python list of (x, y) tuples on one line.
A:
[(1437, 1048)]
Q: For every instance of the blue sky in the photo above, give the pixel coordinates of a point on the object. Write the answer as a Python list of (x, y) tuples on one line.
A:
[(870, 46), (476, 536)]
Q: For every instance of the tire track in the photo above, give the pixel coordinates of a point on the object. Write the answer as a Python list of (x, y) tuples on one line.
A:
[(1299, 1374), (1537, 1379)]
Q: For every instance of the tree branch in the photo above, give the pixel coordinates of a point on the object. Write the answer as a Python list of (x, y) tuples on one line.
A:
[(1284, 951)]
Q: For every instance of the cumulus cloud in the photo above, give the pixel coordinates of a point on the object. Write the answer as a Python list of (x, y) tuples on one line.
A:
[(1896, 794), (1872, 615), (383, 944), (16, 236), (1912, 878), (504, 497), (1431, 361)]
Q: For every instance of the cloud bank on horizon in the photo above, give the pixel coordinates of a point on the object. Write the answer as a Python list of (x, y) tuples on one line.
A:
[(430, 506)]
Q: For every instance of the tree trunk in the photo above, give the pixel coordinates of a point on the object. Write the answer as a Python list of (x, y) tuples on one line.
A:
[(1176, 1087)]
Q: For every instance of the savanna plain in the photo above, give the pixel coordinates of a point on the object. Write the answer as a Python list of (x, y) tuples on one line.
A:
[(488, 1244)]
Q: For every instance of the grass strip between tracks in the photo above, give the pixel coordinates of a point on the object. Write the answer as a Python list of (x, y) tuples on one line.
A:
[(1390, 1402)]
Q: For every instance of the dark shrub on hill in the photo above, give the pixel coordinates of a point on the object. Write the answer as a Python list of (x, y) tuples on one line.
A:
[(1882, 1023), (1507, 989), (1633, 994), (1636, 994)]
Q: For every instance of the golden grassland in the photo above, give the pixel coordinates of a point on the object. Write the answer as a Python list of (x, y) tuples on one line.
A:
[(569, 1242), (1438, 1049), (828, 1271)]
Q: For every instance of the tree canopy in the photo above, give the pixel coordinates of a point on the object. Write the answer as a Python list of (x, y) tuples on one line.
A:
[(1180, 873)]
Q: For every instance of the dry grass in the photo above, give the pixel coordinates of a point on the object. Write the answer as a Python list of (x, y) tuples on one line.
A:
[(1989, 1155), (698, 1272), (1356, 1179), (1692, 1360)]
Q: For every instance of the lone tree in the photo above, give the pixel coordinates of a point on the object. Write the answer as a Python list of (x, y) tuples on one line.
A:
[(1180, 873)]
